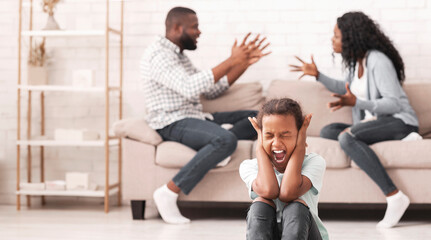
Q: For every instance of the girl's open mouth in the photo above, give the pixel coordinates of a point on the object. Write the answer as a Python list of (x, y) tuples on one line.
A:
[(279, 155)]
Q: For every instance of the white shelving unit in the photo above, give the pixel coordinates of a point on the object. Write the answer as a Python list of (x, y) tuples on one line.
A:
[(87, 193), (109, 189), (51, 88), (64, 33), (52, 143)]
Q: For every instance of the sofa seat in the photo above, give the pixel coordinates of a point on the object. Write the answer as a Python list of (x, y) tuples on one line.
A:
[(175, 155), (403, 154), (330, 150), (413, 155)]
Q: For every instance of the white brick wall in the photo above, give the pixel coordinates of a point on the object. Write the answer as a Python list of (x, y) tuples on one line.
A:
[(293, 27)]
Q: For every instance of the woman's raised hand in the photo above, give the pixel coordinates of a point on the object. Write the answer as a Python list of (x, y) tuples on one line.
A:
[(306, 68)]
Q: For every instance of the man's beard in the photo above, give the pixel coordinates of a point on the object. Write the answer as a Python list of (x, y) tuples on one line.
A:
[(187, 42)]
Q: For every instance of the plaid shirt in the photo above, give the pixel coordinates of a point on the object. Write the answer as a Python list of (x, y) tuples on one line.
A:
[(172, 85)]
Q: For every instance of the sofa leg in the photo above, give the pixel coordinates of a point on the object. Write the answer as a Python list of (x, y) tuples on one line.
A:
[(138, 209)]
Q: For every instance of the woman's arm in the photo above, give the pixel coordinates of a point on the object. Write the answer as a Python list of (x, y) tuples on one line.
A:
[(333, 85), (310, 69)]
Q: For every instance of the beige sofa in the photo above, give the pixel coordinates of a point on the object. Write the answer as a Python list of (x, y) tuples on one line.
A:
[(148, 162)]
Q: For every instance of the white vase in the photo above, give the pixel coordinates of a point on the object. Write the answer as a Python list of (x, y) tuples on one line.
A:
[(51, 24)]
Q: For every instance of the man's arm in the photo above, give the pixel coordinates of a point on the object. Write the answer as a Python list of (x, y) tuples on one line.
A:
[(265, 185), (223, 68), (294, 184), (236, 72)]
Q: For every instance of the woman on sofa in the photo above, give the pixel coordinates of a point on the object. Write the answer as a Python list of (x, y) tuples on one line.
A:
[(381, 110)]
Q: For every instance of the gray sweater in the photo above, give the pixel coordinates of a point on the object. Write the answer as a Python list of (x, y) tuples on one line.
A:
[(385, 96)]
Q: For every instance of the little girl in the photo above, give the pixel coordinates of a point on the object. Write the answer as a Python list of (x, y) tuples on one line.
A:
[(283, 181)]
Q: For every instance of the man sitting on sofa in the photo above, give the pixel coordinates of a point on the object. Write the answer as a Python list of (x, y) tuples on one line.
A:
[(172, 87)]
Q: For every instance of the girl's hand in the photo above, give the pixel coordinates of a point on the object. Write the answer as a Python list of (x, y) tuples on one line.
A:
[(259, 146), (256, 127), (307, 68), (301, 143)]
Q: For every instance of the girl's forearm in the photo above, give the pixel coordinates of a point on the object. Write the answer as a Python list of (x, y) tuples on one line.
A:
[(265, 184)]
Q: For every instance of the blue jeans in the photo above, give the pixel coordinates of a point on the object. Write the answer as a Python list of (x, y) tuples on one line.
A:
[(355, 145), (212, 143), (296, 222)]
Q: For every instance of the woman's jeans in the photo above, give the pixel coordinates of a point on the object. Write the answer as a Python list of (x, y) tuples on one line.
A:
[(355, 144), (212, 142), (296, 222)]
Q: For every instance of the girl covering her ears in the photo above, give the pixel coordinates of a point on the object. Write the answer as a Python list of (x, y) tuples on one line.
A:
[(282, 180), (381, 110)]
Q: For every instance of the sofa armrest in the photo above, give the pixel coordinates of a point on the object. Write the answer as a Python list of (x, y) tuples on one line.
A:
[(137, 129)]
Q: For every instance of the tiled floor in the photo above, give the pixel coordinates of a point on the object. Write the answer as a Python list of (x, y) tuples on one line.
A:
[(61, 221)]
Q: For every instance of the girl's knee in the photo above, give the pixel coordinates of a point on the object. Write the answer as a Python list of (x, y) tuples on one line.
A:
[(296, 208), (261, 210), (264, 200)]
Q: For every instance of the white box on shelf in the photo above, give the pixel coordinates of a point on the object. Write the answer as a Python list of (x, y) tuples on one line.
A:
[(93, 187), (37, 75), (77, 181), (75, 135), (55, 185), (32, 186), (83, 78)]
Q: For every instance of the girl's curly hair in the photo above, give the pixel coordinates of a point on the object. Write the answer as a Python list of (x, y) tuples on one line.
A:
[(281, 106), (360, 34)]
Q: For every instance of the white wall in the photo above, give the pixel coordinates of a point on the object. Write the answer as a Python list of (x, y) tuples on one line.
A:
[(293, 27)]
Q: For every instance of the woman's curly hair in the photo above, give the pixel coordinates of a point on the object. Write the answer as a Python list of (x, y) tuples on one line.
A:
[(360, 34)]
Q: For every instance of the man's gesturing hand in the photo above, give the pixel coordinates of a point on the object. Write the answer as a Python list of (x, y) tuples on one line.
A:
[(250, 52), (240, 53), (256, 50)]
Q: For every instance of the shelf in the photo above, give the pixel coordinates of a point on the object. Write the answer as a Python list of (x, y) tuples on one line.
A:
[(70, 193), (26, 3), (59, 88), (98, 143), (100, 33), (64, 33)]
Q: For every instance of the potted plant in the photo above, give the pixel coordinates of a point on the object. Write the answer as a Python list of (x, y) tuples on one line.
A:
[(36, 70)]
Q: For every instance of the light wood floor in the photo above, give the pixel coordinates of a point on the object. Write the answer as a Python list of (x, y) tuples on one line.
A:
[(62, 221)]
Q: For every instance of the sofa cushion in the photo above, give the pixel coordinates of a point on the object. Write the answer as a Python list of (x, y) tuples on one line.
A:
[(330, 150), (241, 96), (137, 129), (313, 98), (175, 155), (418, 94), (403, 154)]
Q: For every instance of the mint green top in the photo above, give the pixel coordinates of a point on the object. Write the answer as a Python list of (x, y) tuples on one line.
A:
[(313, 168)]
